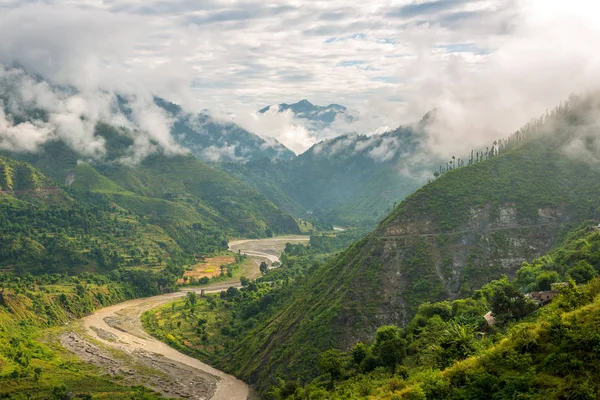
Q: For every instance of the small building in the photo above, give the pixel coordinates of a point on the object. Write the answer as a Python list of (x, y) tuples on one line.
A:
[(489, 318), (543, 297)]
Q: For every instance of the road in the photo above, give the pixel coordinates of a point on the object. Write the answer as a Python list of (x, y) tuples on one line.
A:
[(482, 230), (147, 361)]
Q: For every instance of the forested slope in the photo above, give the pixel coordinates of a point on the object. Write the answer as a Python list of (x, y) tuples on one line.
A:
[(170, 190), (449, 351), (349, 180), (471, 225)]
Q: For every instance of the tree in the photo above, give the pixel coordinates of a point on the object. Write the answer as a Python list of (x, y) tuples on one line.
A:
[(359, 352), (457, 342), (263, 267), (392, 352), (389, 347), (191, 299), (583, 272), (331, 363), (508, 304), (244, 281), (545, 280)]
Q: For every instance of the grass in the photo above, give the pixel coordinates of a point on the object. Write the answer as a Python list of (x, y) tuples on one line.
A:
[(33, 364)]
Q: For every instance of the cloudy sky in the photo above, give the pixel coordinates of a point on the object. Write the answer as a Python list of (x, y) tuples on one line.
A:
[(488, 65)]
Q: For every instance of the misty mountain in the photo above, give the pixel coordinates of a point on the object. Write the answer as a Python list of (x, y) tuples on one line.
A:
[(471, 225), (212, 140), (130, 155), (348, 180), (34, 110), (317, 117)]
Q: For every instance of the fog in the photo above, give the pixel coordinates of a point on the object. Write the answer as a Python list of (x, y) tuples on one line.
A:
[(487, 68)]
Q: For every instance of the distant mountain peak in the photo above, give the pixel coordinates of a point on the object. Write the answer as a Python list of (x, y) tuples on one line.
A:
[(319, 116), (214, 140)]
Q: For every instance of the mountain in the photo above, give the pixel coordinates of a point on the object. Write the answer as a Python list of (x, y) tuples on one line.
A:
[(180, 189), (318, 117), (121, 147), (471, 225), (47, 228), (530, 351), (213, 141), (349, 180)]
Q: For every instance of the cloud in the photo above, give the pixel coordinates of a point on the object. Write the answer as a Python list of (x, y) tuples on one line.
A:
[(549, 54), (22, 137), (72, 116), (221, 153), (487, 65)]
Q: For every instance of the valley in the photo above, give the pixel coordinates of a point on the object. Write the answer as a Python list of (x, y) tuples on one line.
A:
[(126, 351), (265, 249), (233, 200)]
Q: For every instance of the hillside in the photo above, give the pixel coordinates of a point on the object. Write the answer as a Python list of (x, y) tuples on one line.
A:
[(170, 190), (349, 180), (449, 351), (471, 225), (105, 216), (46, 229), (212, 140)]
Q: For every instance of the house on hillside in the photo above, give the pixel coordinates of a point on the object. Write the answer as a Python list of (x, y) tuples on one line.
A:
[(489, 318), (544, 297)]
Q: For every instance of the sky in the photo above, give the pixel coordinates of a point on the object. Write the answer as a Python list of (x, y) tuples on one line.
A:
[(488, 66)]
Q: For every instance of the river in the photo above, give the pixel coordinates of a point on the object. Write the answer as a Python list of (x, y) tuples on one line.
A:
[(121, 347)]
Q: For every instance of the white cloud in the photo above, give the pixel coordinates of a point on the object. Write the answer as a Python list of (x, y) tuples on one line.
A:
[(72, 116), (487, 65)]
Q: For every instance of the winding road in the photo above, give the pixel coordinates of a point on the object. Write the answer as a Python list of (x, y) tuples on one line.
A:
[(145, 360)]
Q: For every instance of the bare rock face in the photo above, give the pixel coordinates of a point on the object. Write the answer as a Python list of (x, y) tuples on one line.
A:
[(418, 261)]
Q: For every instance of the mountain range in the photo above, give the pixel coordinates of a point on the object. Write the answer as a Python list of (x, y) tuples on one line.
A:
[(349, 180), (215, 141), (126, 209), (469, 226), (317, 117)]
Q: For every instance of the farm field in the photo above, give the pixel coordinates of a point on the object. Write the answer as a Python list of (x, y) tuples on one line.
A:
[(210, 267)]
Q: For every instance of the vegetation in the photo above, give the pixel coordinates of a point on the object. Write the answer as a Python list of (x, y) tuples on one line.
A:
[(343, 181), (212, 327), (448, 350), (173, 192), (32, 364), (470, 226), (550, 355)]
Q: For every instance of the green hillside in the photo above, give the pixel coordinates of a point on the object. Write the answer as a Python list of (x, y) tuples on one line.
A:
[(48, 230), (349, 180), (215, 195), (170, 191), (468, 227), (448, 351)]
